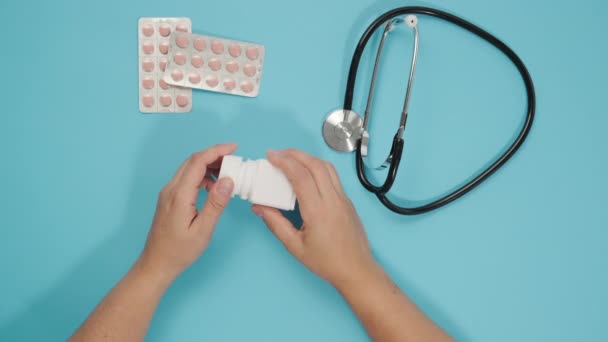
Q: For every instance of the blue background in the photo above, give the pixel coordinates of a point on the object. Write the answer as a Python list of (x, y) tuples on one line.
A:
[(521, 258)]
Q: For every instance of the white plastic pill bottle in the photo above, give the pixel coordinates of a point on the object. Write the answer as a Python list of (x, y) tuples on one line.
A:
[(259, 182)]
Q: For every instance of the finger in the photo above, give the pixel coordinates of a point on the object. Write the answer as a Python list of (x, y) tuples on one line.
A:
[(280, 227), (213, 171), (207, 183), (200, 161), (195, 170), (317, 168), (335, 180), (216, 165), (210, 177), (300, 178), (219, 195), (179, 172)]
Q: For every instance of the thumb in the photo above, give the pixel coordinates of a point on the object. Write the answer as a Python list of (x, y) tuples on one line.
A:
[(280, 227), (214, 205)]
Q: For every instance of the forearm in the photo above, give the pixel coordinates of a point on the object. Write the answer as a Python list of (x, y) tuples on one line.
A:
[(385, 311), (125, 313)]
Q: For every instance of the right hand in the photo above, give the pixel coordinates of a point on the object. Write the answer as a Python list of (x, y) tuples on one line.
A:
[(331, 242)]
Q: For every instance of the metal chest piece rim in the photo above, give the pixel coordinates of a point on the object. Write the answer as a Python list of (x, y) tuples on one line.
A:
[(342, 129)]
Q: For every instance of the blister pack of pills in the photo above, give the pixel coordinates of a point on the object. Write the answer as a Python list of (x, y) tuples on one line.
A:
[(215, 64), (155, 95)]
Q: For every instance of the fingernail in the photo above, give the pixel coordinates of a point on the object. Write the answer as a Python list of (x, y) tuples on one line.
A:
[(225, 186), (259, 212)]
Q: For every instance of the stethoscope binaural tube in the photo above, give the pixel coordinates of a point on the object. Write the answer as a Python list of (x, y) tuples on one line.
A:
[(412, 22), (397, 146)]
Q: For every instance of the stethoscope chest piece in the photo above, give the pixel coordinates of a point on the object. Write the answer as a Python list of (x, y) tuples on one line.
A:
[(342, 129)]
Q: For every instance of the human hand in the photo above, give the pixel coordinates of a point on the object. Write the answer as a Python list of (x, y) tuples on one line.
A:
[(180, 233), (331, 242)]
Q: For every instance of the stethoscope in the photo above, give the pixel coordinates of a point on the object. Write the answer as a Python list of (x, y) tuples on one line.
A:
[(345, 131)]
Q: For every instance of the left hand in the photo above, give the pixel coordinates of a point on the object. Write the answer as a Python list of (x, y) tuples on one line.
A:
[(180, 233)]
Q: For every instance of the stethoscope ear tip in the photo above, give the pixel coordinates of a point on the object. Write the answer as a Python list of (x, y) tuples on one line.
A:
[(411, 21)]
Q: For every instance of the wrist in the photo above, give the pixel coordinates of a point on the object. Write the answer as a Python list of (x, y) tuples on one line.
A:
[(359, 277), (153, 273)]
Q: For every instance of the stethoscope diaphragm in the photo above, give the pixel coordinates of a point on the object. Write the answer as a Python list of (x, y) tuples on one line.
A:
[(342, 129)]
